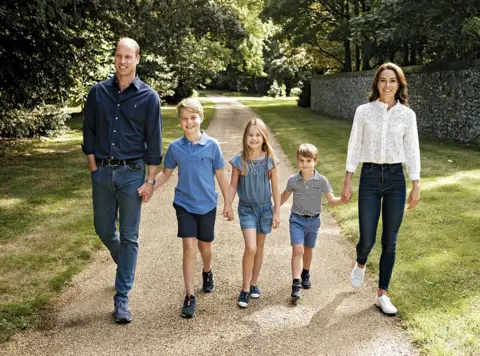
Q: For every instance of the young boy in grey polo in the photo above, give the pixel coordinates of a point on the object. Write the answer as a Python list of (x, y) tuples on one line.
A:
[(307, 187)]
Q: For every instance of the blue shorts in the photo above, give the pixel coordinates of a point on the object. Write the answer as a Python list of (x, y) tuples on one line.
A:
[(304, 231), (256, 216), (200, 226)]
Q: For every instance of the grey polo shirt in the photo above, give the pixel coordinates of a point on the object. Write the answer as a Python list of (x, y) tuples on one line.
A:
[(307, 196)]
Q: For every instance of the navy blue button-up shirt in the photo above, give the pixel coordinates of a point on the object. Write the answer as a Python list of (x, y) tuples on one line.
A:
[(123, 124)]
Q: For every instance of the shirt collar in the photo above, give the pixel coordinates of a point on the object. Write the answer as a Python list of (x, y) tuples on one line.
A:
[(136, 82), (203, 139), (385, 106), (316, 175)]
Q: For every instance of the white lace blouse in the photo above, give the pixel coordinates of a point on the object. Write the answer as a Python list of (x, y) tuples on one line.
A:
[(381, 136)]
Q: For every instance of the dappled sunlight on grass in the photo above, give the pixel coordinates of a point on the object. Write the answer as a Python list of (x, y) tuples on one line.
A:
[(436, 281), (46, 223)]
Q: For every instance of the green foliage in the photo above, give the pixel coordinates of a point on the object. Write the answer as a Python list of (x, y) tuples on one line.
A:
[(276, 90), (45, 120)]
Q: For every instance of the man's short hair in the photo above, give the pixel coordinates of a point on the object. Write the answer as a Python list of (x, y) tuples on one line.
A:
[(132, 42), (307, 150)]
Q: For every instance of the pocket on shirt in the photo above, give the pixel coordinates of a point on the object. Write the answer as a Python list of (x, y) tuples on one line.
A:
[(207, 161)]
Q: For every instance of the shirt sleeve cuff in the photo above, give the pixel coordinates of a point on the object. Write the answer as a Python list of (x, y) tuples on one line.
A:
[(414, 176), (87, 151), (351, 168), (153, 161)]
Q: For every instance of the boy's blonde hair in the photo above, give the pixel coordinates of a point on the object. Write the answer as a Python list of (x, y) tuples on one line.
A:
[(307, 150), (192, 104), (266, 147)]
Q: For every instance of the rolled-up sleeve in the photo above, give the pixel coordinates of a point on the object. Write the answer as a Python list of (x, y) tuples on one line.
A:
[(153, 131), (412, 149), (89, 123), (355, 143)]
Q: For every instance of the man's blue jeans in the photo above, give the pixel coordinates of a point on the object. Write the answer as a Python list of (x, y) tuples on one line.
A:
[(115, 199), (382, 189)]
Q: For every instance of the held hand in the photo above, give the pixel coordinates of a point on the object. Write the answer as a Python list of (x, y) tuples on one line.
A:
[(413, 198), (347, 192), (227, 212), (145, 191), (276, 220)]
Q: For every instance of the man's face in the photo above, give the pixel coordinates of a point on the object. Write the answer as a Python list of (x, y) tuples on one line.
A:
[(125, 59)]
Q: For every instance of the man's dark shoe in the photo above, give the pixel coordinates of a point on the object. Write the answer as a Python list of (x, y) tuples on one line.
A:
[(188, 309), (243, 299), (208, 282), (296, 291), (121, 312), (306, 281)]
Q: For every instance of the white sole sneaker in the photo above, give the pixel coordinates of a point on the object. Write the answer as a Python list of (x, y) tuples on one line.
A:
[(358, 274), (385, 305)]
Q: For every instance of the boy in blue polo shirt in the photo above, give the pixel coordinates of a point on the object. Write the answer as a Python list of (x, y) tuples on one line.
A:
[(199, 160), (307, 187)]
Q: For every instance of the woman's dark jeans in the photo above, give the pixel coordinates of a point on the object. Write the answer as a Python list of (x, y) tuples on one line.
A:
[(382, 189)]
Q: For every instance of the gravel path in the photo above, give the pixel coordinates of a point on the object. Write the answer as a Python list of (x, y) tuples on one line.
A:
[(332, 318)]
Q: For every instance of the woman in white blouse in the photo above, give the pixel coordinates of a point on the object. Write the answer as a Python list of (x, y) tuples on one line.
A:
[(384, 135)]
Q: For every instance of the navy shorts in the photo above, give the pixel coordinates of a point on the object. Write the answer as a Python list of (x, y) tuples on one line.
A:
[(256, 216), (200, 226), (304, 231)]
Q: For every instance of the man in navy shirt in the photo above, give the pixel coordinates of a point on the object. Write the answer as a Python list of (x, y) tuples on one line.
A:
[(122, 138)]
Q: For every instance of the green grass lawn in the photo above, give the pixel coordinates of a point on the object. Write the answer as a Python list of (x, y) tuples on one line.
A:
[(46, 224), (436, 280)]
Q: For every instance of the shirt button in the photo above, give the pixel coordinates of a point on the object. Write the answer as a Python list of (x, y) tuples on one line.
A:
[(114, 130), (113, 144), (118, 104), (116, 118)]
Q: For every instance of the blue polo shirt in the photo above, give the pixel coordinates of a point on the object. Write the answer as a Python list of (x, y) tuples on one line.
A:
[(197, 163)]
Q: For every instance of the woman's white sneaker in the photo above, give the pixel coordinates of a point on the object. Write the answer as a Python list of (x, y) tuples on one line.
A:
[(357, 275), (384, 303)]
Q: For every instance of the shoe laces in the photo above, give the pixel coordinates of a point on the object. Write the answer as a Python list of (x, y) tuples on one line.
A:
[(122, 306), (243, 294), (385, 300), (357, 273)]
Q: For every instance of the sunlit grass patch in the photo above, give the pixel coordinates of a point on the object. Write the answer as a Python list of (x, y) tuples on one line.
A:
[(436, 281), (46, 224)]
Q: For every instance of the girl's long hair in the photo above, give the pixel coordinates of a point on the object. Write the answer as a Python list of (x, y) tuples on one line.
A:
[(402, 92), (266, 147)]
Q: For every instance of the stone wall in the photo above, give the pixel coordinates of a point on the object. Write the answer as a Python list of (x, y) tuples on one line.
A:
[(446, 98)]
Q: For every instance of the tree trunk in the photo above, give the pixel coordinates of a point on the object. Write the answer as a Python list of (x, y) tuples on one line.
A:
[(413, 54), (405, 53)]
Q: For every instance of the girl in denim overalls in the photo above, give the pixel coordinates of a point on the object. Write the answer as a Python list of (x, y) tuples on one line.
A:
[(255, 178)]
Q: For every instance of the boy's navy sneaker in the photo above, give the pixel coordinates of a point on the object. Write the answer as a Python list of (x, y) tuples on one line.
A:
[(306, 281), (121, 312), (208, 282), (296, 291), (243, 299), (188, 309), (254, 292)]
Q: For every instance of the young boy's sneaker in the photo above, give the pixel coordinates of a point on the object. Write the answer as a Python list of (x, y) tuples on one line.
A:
[(121, 312), (385, 305), (357, 275), (254, 292), (306, 280), (243, 299), (208, 282), (296, 291), (188, 309)]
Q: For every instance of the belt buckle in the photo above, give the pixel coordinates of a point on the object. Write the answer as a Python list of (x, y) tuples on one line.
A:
[(112, 165)]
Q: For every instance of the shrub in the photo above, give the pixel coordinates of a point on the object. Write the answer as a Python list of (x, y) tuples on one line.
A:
[(46, 120), (276, 90), (295, 91)]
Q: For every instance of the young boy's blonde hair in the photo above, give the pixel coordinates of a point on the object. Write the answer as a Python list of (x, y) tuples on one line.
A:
[(307, 150), (192, 104)]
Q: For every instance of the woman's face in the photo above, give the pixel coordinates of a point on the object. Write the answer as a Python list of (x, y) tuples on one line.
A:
[(387, 85)]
